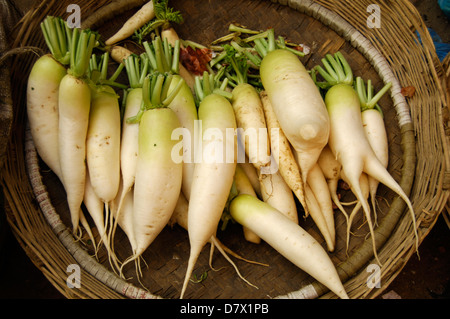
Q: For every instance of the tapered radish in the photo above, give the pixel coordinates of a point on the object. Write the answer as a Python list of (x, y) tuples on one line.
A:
[(331, 169), (137, 68), (248, 109), (208, 195), (42, 109), (297, 103), (141, 17), (158, 178), (103, 148), (43, 90), (373, 122), (74, 106), (282, 153), (358, 156), (164, 57), (319, 188), (288, 238), (349, 143)]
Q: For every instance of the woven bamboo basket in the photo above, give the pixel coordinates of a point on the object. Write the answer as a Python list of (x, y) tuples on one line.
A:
[(418, 144)]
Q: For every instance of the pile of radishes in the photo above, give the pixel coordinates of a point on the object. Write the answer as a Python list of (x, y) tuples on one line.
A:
[(269, 141)]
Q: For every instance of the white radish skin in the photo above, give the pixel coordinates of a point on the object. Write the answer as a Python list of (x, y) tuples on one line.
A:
[(158, 180), (250, 119), (282, 153), (376, 134), (244, 186), (129, 146), (289, 239), (119, 53), (252, 175), (213, 178), (349, 144), (277, 193), (298, 106), (184, 107), (42, 109), (141, 17), (319, 187), (103, 144), (331, 169), (317, 216), (74, 106)]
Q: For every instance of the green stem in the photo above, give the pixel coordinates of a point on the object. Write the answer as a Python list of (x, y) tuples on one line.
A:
[(163, 57), (234, 28), (208, 84), (81, 46), (366, 97), (98, 72), (137, 68), (335, 70), (156, 91), (57, 36)]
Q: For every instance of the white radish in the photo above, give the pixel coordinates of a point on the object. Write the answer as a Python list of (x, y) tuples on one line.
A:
[(103, 144), (373, 122), (289, 239), (319, 187), (376, 134), (43, 91), (141, 17), (213, 176), (184, 107), (298, 105), (277, 193), (282, 153), (42, 109), (244, 186), (349, 144), (74, 104), (157, 184)]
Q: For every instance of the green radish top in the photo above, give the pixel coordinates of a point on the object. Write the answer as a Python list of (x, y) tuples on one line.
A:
[(58, 38), (337, 71), (156, 93), (97, 72), (81, 45), (366, 97), (162, 56)]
